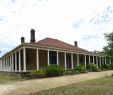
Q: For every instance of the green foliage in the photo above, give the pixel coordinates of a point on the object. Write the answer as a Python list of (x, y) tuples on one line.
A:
[(109, 48), (38, 73), (92, 67), (79, 69), (107, 67), (54, 70)]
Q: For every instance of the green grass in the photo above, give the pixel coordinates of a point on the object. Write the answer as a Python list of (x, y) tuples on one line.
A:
[(101, 86), (6, 78)]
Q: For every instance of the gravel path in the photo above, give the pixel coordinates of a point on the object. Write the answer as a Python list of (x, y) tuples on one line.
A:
[(28, 86)]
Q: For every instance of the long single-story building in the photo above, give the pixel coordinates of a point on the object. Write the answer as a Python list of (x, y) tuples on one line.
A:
[(35, 55)]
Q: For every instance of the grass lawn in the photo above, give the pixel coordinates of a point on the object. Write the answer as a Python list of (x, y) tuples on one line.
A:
[(6, 78), (101, 86)]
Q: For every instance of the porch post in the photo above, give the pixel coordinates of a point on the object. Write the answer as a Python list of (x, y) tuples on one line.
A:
[(0, 65), (89, 60), (7, 63), (3, 64), (19, 61), (12, 62), (15, 62), (100, 61), (72, 60), (48, 61), (37, 59), (57, 58), (97, 61), (93, 59), (24, 61), (105, 60), (77, 59), (65, 60), (85, 60)]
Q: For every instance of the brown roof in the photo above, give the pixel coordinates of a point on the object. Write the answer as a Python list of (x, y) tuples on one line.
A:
[(50, 42)]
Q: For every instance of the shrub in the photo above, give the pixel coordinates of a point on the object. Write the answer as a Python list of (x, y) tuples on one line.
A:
[(54, 70), (107, 66), (111, 66), (38, 73), (92, 67), (80, 69)]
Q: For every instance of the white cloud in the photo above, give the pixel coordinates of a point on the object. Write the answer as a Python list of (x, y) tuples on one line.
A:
[(67, 20)]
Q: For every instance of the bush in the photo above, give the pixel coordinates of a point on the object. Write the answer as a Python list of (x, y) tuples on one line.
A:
[(92, 67), (107, 66), (38, 73), (54, 70), (111, 66), (79, 69)]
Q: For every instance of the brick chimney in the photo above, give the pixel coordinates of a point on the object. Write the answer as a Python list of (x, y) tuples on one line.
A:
[(22, 40), (32, 40), (75, 43)]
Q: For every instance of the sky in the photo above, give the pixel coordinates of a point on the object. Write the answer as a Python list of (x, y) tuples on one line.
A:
[(84, 21)]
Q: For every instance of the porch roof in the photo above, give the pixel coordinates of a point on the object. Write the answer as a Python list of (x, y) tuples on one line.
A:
[(50, 42)]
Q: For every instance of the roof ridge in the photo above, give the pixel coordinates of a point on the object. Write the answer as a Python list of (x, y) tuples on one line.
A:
[(53, 42)]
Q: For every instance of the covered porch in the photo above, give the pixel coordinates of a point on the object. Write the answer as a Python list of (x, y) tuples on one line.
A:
[(30, 58)]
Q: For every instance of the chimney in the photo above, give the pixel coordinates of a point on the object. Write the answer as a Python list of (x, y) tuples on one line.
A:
[(22, 40), (32, 40), (75, 44)]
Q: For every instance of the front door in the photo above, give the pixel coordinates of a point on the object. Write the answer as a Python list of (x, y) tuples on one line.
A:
[(53, 57), (68, 60)]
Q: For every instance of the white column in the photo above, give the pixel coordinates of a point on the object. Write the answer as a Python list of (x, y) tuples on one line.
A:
[(7, 64), (57, 58), (72, 60), (100, 61), (24, 59), (97, 61), (65, 60), (89, 60), (15, 61), (37, 58), (85, 60), (3, 64), (77, 59), (0, 65), (19, 61), (12, 62), (105, 60), (93, 59), (48, 61)]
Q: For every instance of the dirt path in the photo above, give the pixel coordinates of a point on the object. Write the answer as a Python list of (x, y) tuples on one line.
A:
[(28, 86)]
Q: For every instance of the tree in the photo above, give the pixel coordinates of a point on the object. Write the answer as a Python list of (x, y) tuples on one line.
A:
[(109, 48)]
